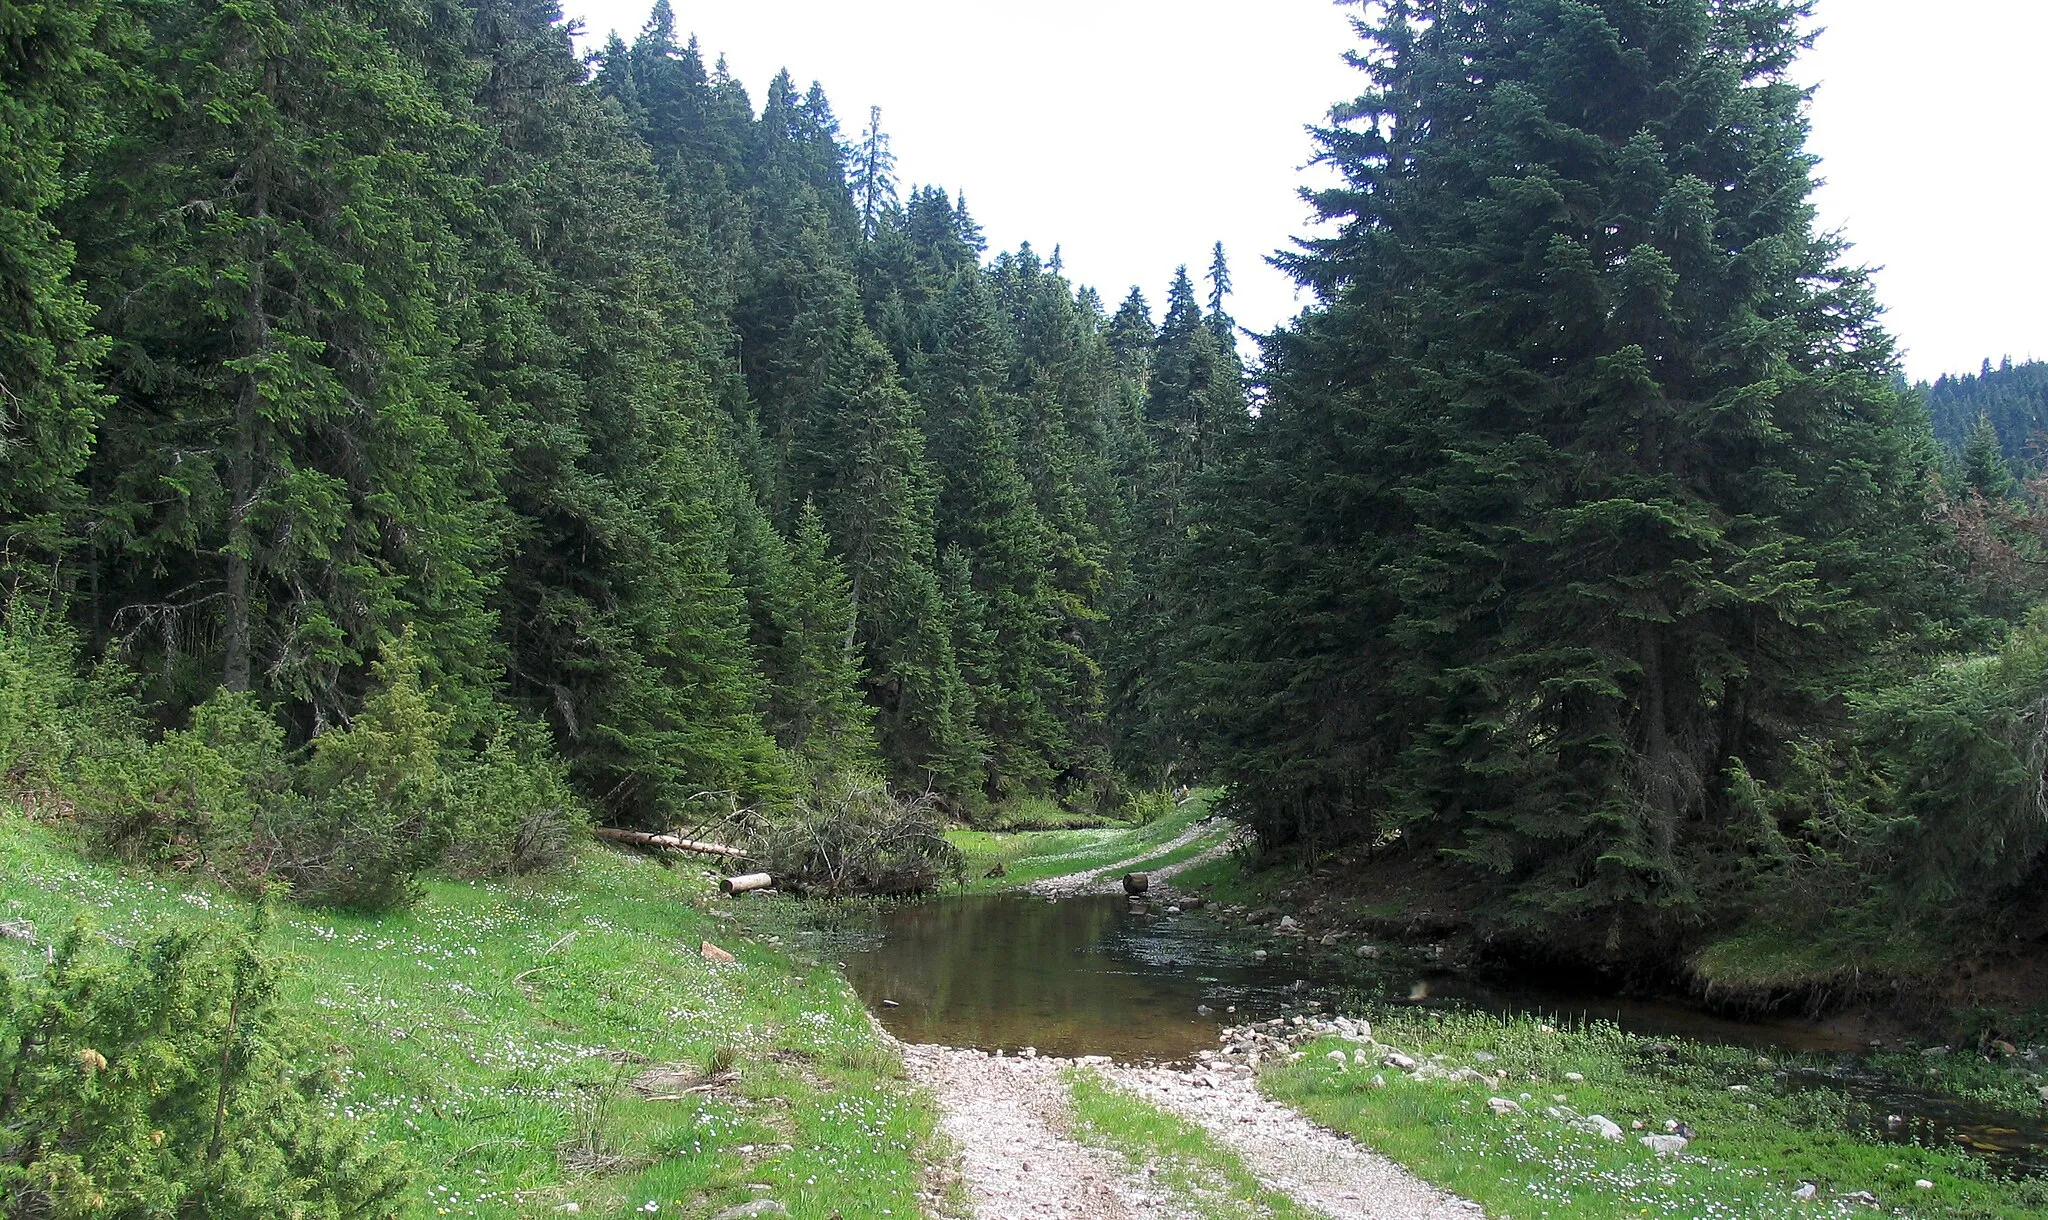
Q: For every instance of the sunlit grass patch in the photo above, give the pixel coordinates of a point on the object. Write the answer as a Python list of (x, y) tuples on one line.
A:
[(495, 1029), (1203, 1175), (1035, 856), (1757, 1136)]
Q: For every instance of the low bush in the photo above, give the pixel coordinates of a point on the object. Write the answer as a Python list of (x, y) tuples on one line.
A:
[(190, 800), (850, 835), (350, 820), (162, 1083), (387, 798), (514, 811)]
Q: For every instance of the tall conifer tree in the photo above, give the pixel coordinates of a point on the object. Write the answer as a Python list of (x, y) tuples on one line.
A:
[(286, 467), (1587, 480)]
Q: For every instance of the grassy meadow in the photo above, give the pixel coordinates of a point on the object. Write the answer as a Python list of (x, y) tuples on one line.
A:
[(497, 1031), (1759, 1135)]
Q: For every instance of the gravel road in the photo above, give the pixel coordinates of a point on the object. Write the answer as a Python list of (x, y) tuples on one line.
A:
[(1009, 1118), (1074, 885)]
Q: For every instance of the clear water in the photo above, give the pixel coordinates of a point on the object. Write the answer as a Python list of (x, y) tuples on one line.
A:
[(1105, 976)]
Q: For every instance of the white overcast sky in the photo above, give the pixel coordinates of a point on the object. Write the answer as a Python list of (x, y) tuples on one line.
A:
[(1134, 134)]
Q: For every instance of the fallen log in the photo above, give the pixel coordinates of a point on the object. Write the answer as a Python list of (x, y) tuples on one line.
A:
[(640, 838), (745, 882)]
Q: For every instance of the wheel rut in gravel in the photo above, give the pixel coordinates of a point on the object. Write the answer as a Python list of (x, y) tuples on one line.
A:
[(1008, 1117), (1104, 880)]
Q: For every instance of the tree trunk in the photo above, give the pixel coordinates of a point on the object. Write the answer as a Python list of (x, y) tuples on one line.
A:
[(640, 838)]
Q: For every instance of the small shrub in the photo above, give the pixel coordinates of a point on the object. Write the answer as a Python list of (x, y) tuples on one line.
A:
[(1148, 807), (191, 799), (373, 811), (514, 810), (851, 835), (163, 1084), (51, 708)]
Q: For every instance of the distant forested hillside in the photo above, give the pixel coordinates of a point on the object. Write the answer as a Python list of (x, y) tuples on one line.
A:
[(597, 395), (2014, 397)]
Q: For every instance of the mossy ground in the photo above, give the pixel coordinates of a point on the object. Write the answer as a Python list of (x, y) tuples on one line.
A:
[(494, 1031)]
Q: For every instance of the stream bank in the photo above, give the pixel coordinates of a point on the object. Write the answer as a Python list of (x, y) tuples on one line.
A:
[(1150, 998)]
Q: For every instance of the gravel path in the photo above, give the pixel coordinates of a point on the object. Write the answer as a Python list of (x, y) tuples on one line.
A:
[(1008, 1117), (1074, 885), (1312, 1165)]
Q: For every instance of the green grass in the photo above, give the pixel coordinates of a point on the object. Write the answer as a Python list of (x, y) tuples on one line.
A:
[(1035, 856), (1205, 1176), (1755, 1144), (493, 1030), (1038, 813), (1226, 879)]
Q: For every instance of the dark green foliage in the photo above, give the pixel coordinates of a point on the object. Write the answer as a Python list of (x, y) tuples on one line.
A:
[(1194, 398), (1985, 469), (48, 398), (286, 472), (1923, 824), (1587, 482), (603, 401), (816, 702), (162, 1083), (2014, 397)]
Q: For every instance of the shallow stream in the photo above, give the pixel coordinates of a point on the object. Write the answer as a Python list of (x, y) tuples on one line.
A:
[(1104, 976)]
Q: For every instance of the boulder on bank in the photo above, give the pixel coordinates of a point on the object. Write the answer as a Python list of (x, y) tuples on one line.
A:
[(1137, 883)]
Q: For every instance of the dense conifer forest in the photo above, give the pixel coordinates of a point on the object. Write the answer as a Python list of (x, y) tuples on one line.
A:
[(422, 438), (651, 430), (2011, 399)]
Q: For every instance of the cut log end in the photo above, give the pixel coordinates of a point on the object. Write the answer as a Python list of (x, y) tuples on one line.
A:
[(745, 883)]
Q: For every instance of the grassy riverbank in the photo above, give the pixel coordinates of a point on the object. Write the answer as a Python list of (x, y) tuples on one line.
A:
[(1760, 1131), (1038, 855), (494, 1031)]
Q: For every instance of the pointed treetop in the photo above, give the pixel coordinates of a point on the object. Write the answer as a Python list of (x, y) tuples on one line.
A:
[(969, 231), (660, 31), (874, 176), (1219, 279), (1985, 469), (1183, 314)]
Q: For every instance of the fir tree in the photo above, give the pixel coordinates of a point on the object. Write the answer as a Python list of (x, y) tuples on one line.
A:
[(874, 177), (286, 466), (1587, 477), (618, 609), (1219, 292), (49, 401), (821, 682), (1984, 467)]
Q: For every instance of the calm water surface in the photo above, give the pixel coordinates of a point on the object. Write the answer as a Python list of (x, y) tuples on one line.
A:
[(1103, 976)]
